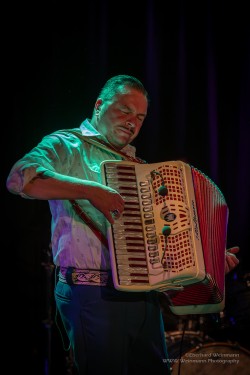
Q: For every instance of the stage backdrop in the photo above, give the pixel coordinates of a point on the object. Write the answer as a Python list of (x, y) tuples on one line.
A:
[(193, 58)]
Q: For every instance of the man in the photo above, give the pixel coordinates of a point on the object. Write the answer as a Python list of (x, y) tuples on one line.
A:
[(110, 331)]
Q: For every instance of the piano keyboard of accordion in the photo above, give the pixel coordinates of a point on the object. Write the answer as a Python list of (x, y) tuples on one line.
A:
[(189, 263)]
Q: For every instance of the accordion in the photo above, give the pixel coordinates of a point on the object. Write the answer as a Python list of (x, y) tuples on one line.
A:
[(171, 236)]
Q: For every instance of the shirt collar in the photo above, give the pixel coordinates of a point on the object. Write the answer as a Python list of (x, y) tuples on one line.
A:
[(89, 131)]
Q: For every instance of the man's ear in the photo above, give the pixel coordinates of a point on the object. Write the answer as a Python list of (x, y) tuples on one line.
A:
[(98, 104)]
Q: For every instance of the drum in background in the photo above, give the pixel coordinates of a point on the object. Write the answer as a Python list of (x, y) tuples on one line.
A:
[(213, 358), (179, 343), (233, 323)]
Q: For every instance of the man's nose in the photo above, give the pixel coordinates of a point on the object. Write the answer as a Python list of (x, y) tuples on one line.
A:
[(130, 124)]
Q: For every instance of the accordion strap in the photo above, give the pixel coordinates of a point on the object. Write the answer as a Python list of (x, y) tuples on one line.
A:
[(102, 144), (77, 208)]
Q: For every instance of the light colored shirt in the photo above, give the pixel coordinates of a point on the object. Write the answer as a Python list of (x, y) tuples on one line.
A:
[(67, 152)]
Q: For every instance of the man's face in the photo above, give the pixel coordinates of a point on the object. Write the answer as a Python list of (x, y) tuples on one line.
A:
[(120, 119)]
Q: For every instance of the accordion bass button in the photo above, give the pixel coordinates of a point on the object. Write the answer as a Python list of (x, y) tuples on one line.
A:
[(153, 254), (147, 202), (153, 261), (144, 183), (152, 241), (148, 215), (147, 209), (145, 190), (151, 235), (146, 196), (149, 221), (149, 228), (152, 247)]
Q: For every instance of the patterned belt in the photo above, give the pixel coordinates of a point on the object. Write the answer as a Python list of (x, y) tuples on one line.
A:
[(76, 276)]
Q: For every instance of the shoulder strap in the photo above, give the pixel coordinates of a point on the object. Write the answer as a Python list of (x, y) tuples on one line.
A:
[(77, 208), (105, 146), (102, 144)]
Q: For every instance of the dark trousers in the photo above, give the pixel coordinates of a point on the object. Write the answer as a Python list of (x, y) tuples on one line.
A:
[(113, 332)]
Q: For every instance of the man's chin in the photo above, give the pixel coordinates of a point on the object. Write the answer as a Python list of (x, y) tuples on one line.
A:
[(119, 144)]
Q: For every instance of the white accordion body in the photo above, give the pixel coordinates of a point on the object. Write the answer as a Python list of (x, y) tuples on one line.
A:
[(171, 235)]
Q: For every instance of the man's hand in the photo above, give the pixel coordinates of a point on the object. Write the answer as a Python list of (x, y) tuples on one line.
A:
[(231, 260), (106, 200)]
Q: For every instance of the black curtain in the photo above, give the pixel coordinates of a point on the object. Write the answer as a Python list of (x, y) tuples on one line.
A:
[(192, 56)]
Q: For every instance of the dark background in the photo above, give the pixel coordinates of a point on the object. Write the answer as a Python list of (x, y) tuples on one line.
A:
[(193, 58)]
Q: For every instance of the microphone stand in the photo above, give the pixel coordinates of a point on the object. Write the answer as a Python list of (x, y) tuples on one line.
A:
[(48, 322)]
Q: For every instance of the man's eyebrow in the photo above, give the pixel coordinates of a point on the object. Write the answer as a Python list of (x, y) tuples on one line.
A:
[(125, 106)]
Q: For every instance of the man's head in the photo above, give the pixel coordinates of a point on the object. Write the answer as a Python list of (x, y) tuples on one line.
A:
[(120, 110)]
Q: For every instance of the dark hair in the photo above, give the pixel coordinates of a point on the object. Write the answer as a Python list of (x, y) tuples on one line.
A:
[(117, 83)]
